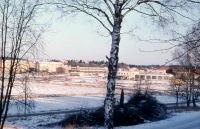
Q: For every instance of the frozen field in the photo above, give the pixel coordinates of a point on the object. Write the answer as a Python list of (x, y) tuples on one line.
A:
[(69, 88), (47, 104), (44, 89), (76, 95)]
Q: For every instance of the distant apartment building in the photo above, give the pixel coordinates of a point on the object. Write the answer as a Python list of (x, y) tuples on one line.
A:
[(73, 68), (88, 69), (48, 66), (93, 69), (21, 66)]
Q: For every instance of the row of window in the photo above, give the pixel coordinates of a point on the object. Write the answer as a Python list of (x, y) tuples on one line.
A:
[(152, 77), (91, 68), (87, 71), (147, 77), (50, 65), (126, 73)]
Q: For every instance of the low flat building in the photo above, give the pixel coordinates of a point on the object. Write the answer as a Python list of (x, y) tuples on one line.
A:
[(88, 69), (48, 66), (145, 75), (93, 69)]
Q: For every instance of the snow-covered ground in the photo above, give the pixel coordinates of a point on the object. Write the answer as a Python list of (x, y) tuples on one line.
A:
[(43, 89), (59, 88), (184, 120), (74, 102), (75, 95), (62, 103)]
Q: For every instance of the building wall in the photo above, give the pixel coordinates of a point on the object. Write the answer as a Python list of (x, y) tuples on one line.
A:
[(31, 64), (22, 66), (73, 68), (48, 66), (147, 76), (88, 69), (93, 69), (60, 70)]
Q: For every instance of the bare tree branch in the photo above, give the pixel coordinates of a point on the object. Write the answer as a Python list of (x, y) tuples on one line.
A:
[(92, 7), (82, 10), (17, 22), (130, 10), (110, 8), (193, 1)]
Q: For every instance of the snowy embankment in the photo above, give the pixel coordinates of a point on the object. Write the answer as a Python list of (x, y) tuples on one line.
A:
[(184, 120)]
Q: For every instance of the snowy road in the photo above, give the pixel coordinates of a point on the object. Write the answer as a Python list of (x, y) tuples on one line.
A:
[(186, 120)]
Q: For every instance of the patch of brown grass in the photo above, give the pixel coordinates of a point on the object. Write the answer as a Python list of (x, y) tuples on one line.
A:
[(10, 126), (75, 126)]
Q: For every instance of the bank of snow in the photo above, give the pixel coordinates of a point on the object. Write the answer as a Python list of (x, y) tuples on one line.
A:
[(185, 120)]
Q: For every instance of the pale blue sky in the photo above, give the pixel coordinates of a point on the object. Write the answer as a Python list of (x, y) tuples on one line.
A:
[(78, 39)]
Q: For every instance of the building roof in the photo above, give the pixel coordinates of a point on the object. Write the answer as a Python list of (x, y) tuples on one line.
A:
[(45, 62)]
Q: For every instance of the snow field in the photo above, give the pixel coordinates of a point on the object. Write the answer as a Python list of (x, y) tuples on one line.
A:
[(82, 95)]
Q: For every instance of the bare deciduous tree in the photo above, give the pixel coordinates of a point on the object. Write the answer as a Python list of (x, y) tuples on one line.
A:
[(188, 56), (110, 14), (176, 89), (19, 36)]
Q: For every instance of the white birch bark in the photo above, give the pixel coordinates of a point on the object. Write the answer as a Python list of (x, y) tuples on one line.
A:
[(110, 100), (113, 61)]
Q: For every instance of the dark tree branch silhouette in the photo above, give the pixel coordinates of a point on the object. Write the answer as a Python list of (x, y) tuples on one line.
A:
[(19, 36), (110, 14)]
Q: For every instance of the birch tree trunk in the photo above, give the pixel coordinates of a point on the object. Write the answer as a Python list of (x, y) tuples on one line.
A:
[(194, 73), (113, 61), (112, 68)]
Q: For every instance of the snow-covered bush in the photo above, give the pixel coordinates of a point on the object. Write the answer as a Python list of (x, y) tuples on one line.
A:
[(149, 108), (139, 109)]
